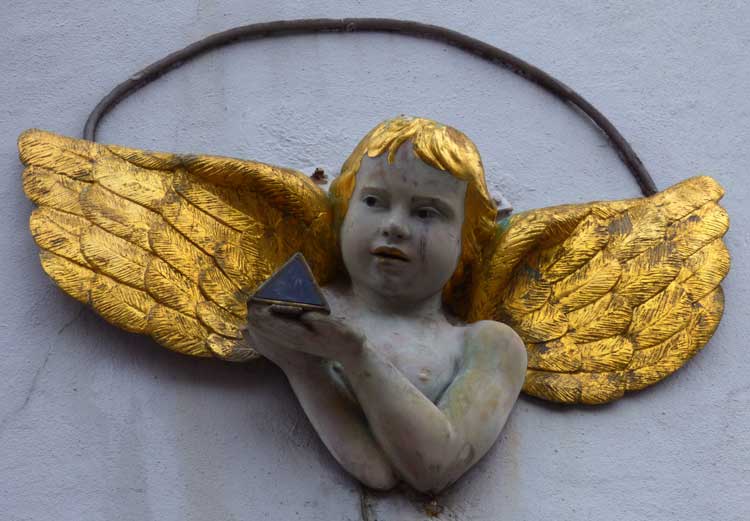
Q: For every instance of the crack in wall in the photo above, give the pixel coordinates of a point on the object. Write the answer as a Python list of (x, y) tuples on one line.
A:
[(70, 322), (35, 379), (365, 506), (32, 389)]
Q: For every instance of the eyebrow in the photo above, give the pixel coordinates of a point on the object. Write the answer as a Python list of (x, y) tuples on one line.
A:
[(375, 190)]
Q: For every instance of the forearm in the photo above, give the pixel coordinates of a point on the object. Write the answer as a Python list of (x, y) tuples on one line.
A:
[(415, 434), (340, 424)]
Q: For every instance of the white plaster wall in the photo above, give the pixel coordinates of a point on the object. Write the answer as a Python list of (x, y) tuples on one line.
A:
[(99, 424)]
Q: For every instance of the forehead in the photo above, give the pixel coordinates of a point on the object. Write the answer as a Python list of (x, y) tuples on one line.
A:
[(410, 175)]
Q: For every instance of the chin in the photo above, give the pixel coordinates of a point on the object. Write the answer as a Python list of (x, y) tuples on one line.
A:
[(397, 289), (388, 288)]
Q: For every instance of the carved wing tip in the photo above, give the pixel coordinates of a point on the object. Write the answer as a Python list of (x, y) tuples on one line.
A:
[(706, 183), (28, 140), (230, 350), (709, 181), (27, 183), (32, 133)]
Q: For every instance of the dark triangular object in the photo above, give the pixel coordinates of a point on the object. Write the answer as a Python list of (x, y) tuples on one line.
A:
[(293, 285)]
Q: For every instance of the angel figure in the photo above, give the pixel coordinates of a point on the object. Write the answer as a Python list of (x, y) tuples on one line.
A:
[(413, 375)]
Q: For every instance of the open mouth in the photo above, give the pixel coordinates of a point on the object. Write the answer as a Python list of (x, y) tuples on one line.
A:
[(388, 252)]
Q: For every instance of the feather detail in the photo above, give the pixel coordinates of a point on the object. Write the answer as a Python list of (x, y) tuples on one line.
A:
[(223, 292), (558, 355), (229, 349), (219, 320), (167, 245), (609, 297), (74, 279), (115, 257), (59, 232), (47, 188), (172, 288), (121, 305), (177, 331), (121, 217)]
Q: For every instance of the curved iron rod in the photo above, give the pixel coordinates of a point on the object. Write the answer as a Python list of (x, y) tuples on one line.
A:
[(351, 25)]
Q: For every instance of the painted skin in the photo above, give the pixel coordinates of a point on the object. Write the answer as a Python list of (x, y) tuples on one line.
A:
[(396, 389)]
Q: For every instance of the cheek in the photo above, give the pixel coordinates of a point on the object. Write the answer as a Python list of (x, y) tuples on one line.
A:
[(349, 240), (453, 249), (450, 237), (357, 222), (441, 247), (355, 236)]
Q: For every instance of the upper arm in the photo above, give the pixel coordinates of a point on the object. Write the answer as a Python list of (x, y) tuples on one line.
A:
[(481, 396)]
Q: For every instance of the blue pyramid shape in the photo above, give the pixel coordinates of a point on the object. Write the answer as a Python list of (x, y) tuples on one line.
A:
[(293, 283)]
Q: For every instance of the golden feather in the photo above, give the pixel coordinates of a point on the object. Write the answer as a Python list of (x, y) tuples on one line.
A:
[(609, 297), (168, 245)]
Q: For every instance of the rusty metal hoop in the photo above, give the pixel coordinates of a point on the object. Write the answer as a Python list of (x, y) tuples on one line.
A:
[(403, 27)]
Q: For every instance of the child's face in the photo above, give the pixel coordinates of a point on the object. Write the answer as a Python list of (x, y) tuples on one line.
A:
[(401, 237)]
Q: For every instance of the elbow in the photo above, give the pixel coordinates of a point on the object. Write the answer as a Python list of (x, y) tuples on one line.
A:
[(371, 469), (382, 478), (430, 485), (435, 474)]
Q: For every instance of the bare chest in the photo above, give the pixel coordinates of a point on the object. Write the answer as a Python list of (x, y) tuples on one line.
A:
[(425, 351), (428, 358)]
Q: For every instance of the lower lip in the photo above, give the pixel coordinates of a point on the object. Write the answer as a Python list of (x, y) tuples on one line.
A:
[(390, 262)]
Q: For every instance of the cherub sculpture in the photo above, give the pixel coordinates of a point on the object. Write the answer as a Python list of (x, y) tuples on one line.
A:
[(415, 372)]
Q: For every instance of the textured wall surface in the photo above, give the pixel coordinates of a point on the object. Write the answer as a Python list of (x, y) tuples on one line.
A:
[(99, 424)]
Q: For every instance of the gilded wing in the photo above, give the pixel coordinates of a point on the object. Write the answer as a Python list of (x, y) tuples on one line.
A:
[(169, 245), (609, 296)]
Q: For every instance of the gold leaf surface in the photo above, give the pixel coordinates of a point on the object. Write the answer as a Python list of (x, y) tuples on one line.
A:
[(634, 289), (158, 243)]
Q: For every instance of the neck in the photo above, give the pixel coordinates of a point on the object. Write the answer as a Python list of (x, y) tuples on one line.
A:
[(428, 308)]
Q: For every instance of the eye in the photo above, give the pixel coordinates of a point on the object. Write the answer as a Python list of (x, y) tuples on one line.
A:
[(371, 201), (427, 212)]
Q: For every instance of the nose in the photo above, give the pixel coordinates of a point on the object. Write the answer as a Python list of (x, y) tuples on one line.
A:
[(395, 228)]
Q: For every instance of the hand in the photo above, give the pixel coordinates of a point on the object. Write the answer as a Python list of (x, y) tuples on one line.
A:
[(311, 333), (259, 335)]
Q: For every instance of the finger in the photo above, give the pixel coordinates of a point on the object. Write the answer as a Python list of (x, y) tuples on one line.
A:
[(286, 326), (287, 319), (322, 322), (287, 311), (255, 309), (315, 318), (269, 318)]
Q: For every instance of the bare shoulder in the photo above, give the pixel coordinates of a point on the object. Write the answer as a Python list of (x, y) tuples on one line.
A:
[(494, 345)]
